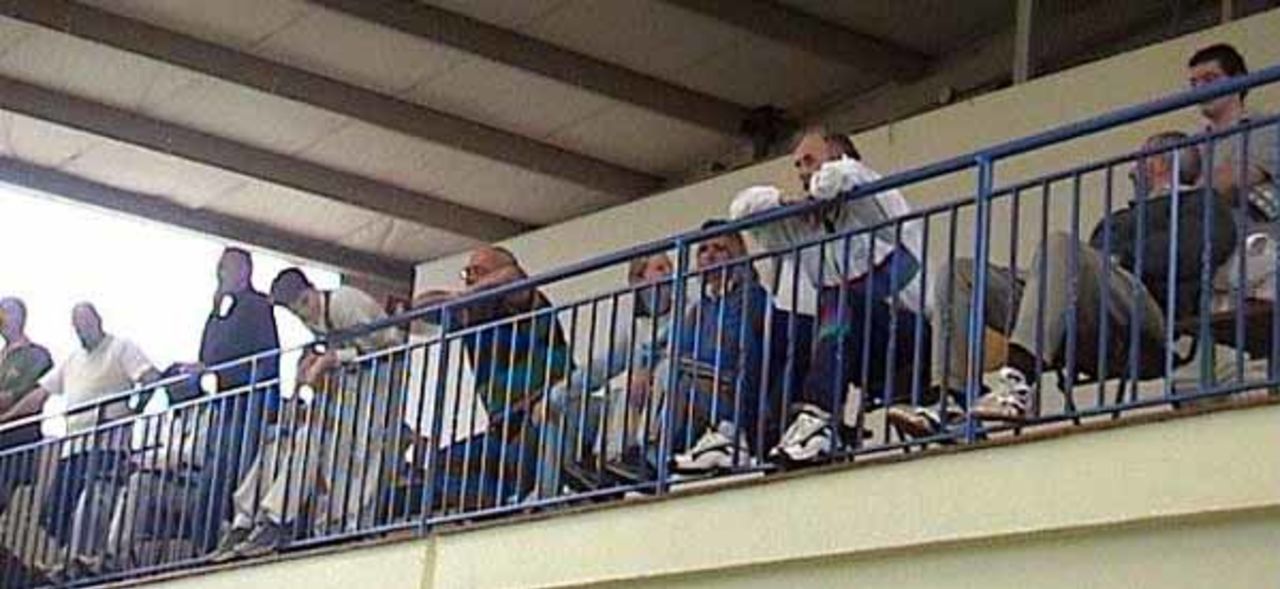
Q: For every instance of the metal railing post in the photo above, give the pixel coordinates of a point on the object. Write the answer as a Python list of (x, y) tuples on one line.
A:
[(977, 309), (665, 437)]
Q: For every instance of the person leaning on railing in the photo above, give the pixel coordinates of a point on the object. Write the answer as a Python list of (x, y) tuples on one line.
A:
[(195, 457), (516, 350), (873, 274), (93, 466), (1134, 282), (347, 438)]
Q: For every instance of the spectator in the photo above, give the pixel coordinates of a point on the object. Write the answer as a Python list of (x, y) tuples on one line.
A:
[(241, 324), (572, 412), (851, 290), (1230, 175), (349, 442), (22, 363), (1136, 286), (180, 476), (93, 464), (518, 354), (719, 361)]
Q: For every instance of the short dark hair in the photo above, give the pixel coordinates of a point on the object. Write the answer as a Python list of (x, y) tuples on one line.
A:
[(843, 144), (1226, 56), (288, 285)]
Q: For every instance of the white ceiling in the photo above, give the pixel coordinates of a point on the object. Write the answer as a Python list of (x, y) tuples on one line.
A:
[(648, 36)]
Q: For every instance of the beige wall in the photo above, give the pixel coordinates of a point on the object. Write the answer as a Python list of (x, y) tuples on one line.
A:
[(1185, 503), (1068, 96)]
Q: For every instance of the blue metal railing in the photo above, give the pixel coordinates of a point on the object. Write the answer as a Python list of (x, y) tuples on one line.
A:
[(513, 403)]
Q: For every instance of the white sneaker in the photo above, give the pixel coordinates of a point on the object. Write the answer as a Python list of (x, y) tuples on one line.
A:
[(715, 450), (808, 439), (1008, 399)]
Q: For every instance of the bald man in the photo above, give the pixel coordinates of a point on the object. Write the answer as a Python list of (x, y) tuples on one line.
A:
[(867, 267), (515, 361), (90, 470)]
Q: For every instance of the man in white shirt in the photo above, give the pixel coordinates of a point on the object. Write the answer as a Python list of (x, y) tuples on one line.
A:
[(868, 285), (351, 436), (91, 467)]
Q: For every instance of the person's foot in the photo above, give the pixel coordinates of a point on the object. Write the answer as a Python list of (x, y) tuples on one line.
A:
[(632, 467), (266, 538), (809, 439), (922, 422), (719, 449), (1008, 399), (226, 549)]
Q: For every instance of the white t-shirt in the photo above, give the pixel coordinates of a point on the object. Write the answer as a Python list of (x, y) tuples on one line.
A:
[(112, 367), (347, 308)]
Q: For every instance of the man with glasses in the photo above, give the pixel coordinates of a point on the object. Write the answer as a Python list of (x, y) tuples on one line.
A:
[(517, 351)]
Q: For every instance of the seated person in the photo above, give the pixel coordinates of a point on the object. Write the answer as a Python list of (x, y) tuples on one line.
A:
[(868, 288), (517, 351), (1136, 287), (573, 412), (713, 412), (1243, 163), (349, 438), (719, 362)]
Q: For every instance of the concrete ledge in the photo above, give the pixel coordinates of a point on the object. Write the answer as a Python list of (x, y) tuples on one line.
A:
[(1168, 502)]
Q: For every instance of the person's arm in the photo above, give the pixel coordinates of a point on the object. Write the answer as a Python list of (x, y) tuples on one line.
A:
[(1227, 178), (30, 404), (25, 377)]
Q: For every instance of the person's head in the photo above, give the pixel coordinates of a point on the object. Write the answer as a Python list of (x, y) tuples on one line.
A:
[(1212, 64), (13, 318), (654, 300), (1154, 173), (817, 147), (235, 270), (720, 250), (294, 291), (88, 325), (486, 260)]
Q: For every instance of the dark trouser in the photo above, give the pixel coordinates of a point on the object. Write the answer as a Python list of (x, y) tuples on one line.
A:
[(490, 469), (84, 490), (867, 336), (17, 466), (240, 424)]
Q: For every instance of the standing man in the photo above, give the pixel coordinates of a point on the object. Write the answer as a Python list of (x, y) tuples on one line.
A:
[(22, 363), (92, 466), (241, 324), (867, 282)]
